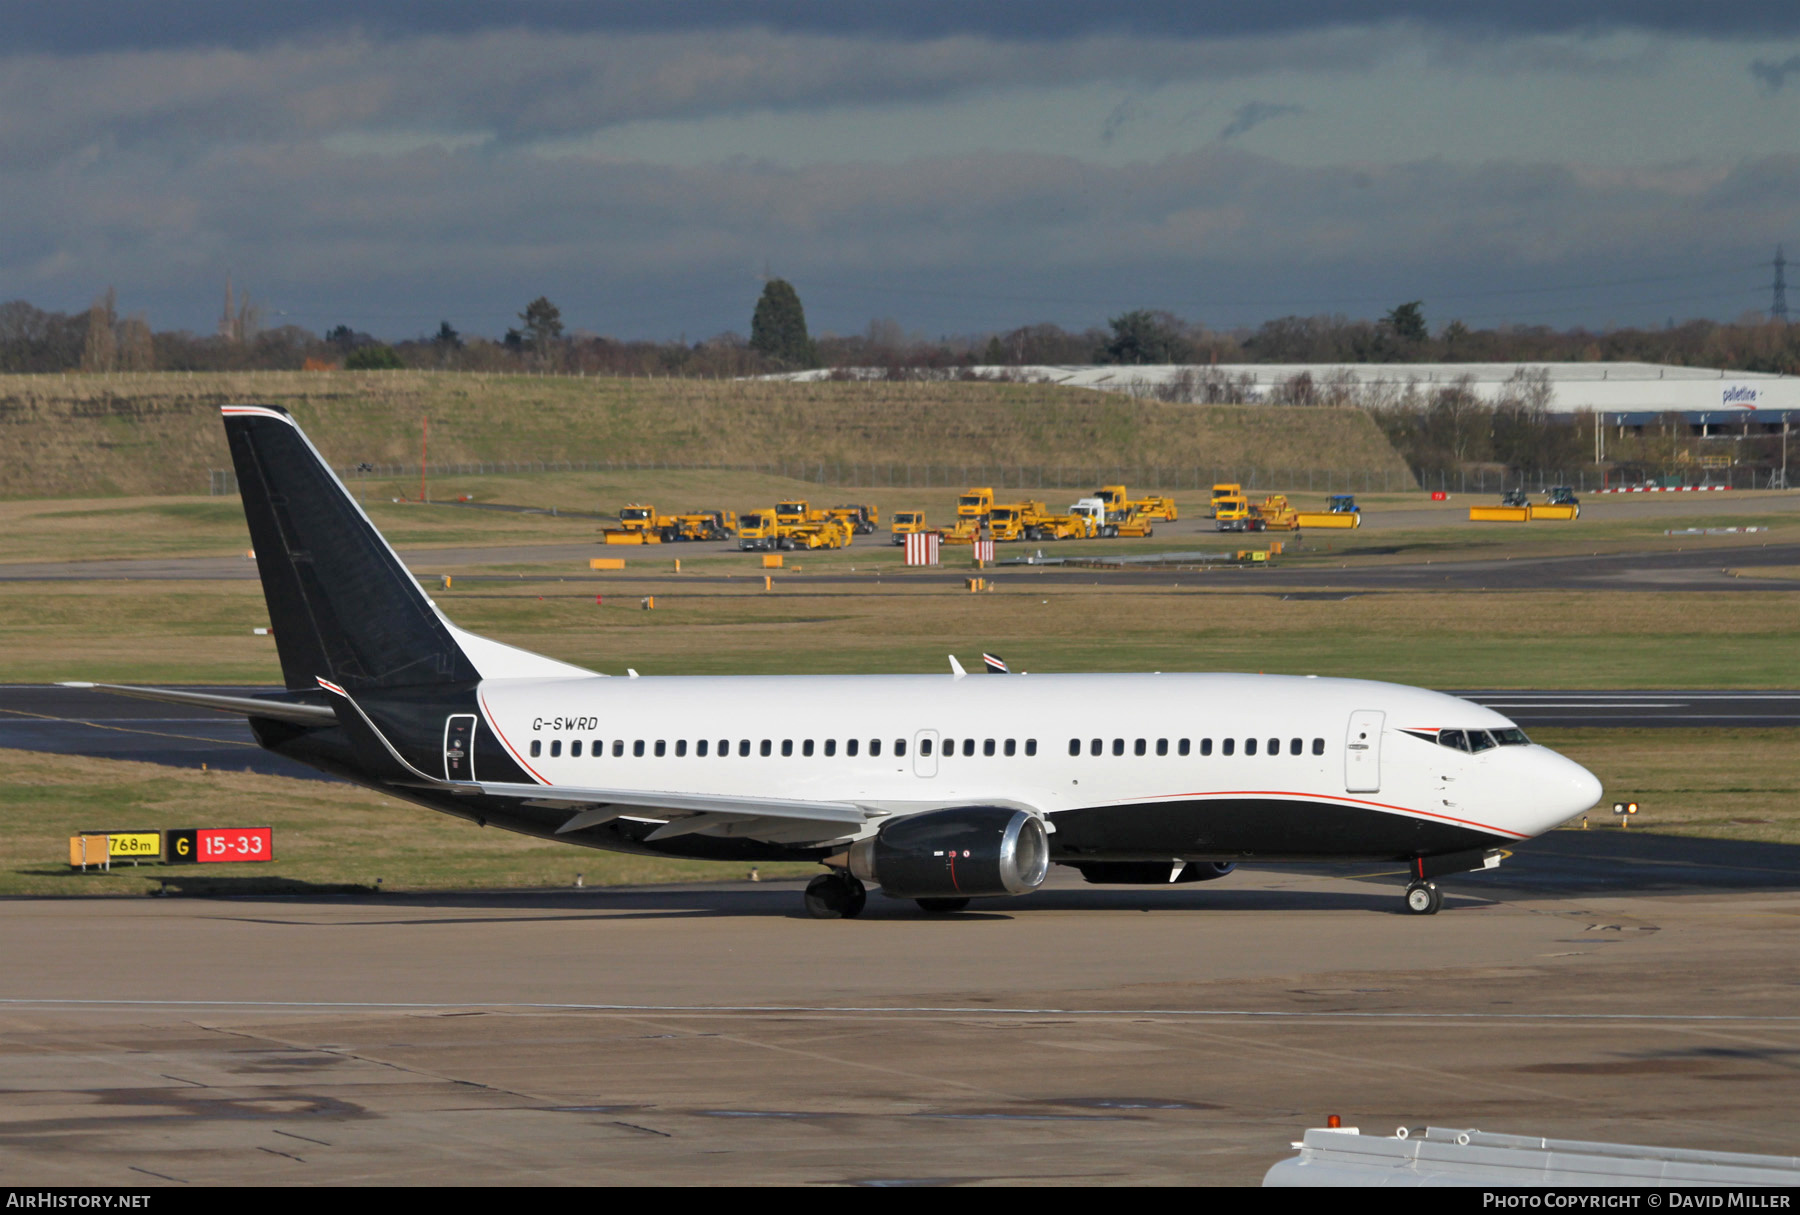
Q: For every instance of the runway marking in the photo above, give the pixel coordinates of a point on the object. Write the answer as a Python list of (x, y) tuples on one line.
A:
[(929, 1010)]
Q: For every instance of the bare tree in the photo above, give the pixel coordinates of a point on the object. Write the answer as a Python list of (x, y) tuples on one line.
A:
[(101, 351)]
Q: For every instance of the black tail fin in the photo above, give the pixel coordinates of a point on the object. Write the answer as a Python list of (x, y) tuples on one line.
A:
[(342, 605)]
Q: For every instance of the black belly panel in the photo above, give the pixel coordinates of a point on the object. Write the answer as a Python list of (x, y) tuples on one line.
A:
[(1248, 829)]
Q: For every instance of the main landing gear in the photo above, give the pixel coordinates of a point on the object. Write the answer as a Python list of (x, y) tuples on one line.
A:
[(1424, 898), (835, 896)]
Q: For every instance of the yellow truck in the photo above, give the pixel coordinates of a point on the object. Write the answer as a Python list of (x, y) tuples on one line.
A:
[(1235, 514), (974, 503), (907, 523), (791, 514), (759, 531), (1223, 491), (1120, 507), (1015, 520), (1106, 525)]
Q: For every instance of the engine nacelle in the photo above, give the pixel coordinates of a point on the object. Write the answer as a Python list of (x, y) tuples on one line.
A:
[(1151, 873), (966, 852)]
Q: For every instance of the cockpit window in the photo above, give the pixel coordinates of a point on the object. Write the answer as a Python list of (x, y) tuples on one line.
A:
[(1514, 737), (1453, 738), (1480, 740)]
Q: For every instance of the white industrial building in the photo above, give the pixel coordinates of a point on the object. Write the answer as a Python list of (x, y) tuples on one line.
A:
[(1628, 394)]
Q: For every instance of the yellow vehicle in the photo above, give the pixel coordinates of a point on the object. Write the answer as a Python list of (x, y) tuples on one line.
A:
[(1235, 514), (638, 524), (705, 525), (759, 531), (975, 503), (827, 533), (1278, 515), (790, 514), (1120, 508), (966, 531), (859, 517), (1105, 526), (1014, 520), (1329, 518), (1221, 492), (907, 523)]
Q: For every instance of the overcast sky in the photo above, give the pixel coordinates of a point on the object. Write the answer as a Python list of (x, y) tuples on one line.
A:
[(955, 167)]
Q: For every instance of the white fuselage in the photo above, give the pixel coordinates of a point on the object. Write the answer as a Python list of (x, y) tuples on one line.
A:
[(1048, 743)]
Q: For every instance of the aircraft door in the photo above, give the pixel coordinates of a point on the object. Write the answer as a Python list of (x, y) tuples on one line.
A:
[(459, 747), (925, 748), (1362, 752)]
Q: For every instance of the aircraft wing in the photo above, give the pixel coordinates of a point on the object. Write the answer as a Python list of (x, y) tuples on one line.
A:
[(688, 813), (249, 706)]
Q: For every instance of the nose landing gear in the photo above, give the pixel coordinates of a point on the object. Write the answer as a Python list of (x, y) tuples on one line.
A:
[(835, 896), (1423, 898)]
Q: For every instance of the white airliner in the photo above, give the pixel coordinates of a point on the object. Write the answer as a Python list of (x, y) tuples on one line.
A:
[(937, 788)]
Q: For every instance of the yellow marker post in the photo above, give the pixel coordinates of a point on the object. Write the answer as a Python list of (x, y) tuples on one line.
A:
[(678, 565), (768, 583)]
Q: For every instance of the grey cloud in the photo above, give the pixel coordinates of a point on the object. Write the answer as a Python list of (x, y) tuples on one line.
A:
[(1125, 113), (1772, 74), (1247, 117), (1220, 234)]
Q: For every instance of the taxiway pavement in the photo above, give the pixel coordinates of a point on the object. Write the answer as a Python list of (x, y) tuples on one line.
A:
[(1601, 985)]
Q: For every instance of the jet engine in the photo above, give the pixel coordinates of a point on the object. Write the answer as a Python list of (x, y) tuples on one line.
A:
[(961, 853), (1152, 873)]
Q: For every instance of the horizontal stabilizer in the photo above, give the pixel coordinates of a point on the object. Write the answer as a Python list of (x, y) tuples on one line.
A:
[(249, 706)]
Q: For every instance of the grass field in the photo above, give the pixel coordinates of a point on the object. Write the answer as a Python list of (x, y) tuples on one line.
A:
[(159, 433), (1732, 784)]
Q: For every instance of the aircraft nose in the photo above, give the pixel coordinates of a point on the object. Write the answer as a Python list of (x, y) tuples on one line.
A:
[(1576, 789)]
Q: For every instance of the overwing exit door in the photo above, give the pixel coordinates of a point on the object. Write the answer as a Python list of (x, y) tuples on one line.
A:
[(925, 760), (459, 747), (1362, 752)]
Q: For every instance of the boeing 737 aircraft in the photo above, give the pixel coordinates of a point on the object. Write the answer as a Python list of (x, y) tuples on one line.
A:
[(938, 788)]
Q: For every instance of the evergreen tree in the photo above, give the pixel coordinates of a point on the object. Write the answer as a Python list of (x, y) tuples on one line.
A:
[(778, 327)]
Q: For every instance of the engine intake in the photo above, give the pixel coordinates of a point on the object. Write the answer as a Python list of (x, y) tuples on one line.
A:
[(966, 852)]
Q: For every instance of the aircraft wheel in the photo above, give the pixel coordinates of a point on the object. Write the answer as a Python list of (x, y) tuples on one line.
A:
[(940, 906), (1424, 898), (834, 896)]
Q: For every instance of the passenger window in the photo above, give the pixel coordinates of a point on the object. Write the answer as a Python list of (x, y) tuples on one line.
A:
[(767, 748), (969, 746), (830, 747), (924, 746), (1011, 746), (1181, 748), (1227, 746), (700, 748), (680, 747), (1206, 746), (1296, 746), (575, 749), (1274, 746), (1094, 747), (806, 748), (987, 747), (949, 748), (743, 746), (661, 748), (787, 747), (1031, 746), (1139, 747), (555, 747), (1162, 746), (637, 749), (850, 748), (537, 748), (899, 748), (1118, 746), (724, 747), (598, 749), (1318, 746), (1249, 747), (618, 747)]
